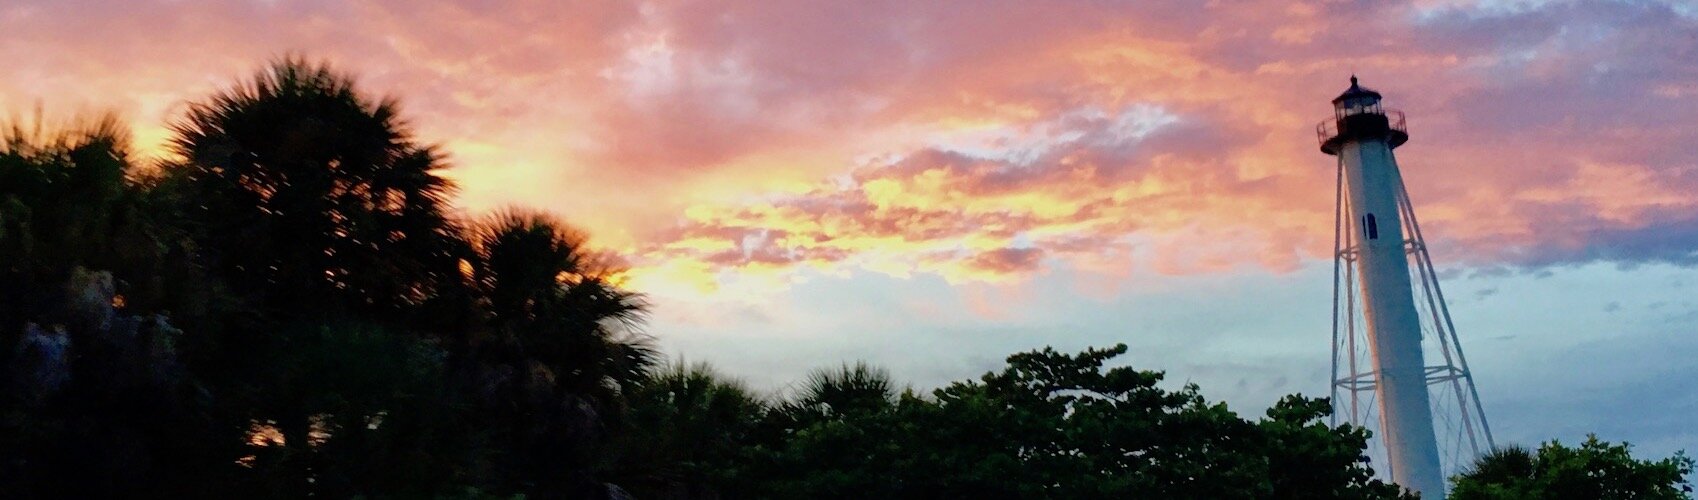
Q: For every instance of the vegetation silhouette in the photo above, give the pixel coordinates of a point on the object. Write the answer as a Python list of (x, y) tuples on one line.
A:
[(288, 307), (313, 201), (1593, 470)]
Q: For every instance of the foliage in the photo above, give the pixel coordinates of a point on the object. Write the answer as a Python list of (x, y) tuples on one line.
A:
[(94, 394), (553, 349), (72, 196), (686, 435), (1594, 470), (356, 409), (312, 199), (551, 299), (1050, 425), (344, 335)]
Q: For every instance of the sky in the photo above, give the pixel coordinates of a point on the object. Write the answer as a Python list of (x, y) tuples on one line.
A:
[(931, 186)]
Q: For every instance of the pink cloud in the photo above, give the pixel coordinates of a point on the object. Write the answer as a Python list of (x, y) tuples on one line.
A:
[(1008, 260), (1545, 145), (924, 137)]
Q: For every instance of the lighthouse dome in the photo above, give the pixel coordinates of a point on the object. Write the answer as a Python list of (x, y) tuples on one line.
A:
[(1356, 98), (1356, 92)]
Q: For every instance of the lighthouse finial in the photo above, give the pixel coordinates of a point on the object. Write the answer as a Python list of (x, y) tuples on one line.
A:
[(1352, 79)]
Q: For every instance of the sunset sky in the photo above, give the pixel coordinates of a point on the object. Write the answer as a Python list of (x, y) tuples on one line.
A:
[(930, 186)]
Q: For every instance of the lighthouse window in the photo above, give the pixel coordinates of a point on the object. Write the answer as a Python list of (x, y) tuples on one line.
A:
[(1371, 227)]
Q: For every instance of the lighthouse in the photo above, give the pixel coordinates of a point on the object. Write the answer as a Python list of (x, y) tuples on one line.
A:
[(1396, 358)]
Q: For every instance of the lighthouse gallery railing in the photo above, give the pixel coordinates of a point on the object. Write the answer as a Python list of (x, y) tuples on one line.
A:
[(1326, 130)]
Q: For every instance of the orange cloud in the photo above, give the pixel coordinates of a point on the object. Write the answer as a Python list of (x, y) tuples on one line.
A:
[(1235, 181), (723, 141)]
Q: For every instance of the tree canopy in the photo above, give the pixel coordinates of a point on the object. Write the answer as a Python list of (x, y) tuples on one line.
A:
[(1049, 425), (309, 197), (1595, 470)]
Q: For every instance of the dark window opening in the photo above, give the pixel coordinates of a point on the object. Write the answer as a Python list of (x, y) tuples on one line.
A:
[(1371, 227)]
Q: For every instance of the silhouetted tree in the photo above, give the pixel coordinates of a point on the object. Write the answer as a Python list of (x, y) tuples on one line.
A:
[(312, 200), (839, 435), (1309, 460), (557, 350), (378, 419), (1050, 425), (686, 435), (70, 197), (323, 220), (1595, 470), (95, 398)]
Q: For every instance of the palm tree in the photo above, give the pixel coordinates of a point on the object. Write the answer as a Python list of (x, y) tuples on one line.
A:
[(314, 199), (1503, 465), (686, 433), (552, 299), (314, 206), (846, 389), (1502, 473), (1595, 469), (846, 393), (559, 348)]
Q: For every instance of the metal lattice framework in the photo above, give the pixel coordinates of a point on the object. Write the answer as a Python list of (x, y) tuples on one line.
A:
[(1459, 421)]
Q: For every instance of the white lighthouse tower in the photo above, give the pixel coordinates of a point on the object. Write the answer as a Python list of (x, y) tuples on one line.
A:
[(1390, 318)]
